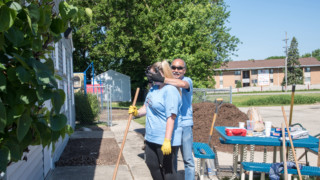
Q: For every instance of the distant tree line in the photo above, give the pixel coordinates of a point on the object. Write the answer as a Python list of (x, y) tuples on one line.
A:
[(128, 36)]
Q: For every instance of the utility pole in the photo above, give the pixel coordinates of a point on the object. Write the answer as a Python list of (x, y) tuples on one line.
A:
[(285, 61)]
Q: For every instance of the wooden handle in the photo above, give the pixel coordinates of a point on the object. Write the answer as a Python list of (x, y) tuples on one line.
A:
[(291, 105), (284, 152), (318, 178), (291, 143), (125, 136)]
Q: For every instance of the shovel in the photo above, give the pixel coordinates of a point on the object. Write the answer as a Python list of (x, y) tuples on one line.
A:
[(213, 164), (291, 143), (219, 102), (125, 136)]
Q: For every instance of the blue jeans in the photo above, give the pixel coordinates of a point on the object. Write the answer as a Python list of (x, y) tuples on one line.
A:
[(186, 151)]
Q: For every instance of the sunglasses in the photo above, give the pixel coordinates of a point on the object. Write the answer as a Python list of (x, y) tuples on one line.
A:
[(175, 67)]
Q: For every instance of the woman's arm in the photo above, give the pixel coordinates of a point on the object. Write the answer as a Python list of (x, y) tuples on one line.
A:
[(166, 146), (169, 126), (142, 111)]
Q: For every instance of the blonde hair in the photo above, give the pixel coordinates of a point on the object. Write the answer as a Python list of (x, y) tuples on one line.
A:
[(165, 69)]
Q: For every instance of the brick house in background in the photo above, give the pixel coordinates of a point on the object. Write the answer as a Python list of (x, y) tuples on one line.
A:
[(263, 73)]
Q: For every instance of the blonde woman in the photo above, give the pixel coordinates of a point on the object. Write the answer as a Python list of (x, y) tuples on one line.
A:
[(163, 135)]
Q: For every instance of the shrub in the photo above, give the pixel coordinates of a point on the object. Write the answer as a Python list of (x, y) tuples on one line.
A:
[(239, 85), (87, 108)]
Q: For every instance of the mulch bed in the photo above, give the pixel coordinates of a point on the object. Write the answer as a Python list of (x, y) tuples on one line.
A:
[(87, 151), (228, 115)]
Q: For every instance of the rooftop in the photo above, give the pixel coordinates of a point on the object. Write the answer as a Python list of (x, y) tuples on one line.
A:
[(270, 63)]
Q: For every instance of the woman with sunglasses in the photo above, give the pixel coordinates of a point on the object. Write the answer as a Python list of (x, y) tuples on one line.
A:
[(163, 135), (178, 67)]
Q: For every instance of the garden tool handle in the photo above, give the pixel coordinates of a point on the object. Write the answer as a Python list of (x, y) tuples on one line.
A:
[(291, 143), (219, 101), (125, 136), (292, 102), (284, 151)]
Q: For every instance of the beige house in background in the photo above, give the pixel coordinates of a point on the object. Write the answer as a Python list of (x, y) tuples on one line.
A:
[(263, 73)]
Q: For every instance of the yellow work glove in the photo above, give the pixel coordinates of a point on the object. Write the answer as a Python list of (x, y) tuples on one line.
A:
[(166, 147), (133, 110)]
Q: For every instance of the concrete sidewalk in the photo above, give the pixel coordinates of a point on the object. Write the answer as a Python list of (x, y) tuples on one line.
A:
[(136, 168)]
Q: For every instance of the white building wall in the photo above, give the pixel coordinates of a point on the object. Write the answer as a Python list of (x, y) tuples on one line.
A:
[(120, 85), (30, 169), (40, 161)]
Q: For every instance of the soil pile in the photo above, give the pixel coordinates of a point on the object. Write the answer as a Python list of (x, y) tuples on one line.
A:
[(91, 151), (228, 115)]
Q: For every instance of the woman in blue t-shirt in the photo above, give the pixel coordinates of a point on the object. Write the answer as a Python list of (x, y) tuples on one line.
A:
[(163, 135)]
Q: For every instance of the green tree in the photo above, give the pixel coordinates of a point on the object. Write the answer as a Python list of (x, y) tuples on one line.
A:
[(316, 54), (239, 84), (276, 57), (294, 74), (306, 55), (127, 36), (27, 76)]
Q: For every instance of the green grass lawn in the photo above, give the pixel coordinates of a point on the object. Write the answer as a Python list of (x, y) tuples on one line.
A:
[(262, 92), (125, 104), (141, 120), (275, 100)]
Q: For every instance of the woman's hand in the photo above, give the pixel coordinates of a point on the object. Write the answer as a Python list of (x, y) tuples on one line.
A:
[(166, 147), (133, 110)]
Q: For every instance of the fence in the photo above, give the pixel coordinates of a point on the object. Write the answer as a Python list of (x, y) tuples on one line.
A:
[(104, 95), (209, 95)]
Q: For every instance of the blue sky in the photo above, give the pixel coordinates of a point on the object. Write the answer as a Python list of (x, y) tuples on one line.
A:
[(261, 26)]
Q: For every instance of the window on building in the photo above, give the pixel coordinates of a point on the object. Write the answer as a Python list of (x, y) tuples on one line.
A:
[(245, 74), (307, 79), (254, 72), (221, 82), (271, 80), (307, 69), (254, 81), (237, 72), (271, 71)]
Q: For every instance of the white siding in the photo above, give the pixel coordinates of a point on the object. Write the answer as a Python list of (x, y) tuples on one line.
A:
[(30, 169), (40, 161), (120, 85), (56, 55), (64, 65)]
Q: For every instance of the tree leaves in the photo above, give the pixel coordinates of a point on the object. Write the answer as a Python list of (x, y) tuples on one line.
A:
[(7, 17), (67, 11), (34, 13), (24, 123), (27, 76), (4, 158), (57, 26), (129, 36), (58, 122), (89, 12), (15, 36), (58, 100), (3, 117), (3, 83)]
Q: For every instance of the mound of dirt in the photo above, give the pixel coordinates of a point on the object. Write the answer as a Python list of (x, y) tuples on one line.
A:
[(228, 115), (90, 151)]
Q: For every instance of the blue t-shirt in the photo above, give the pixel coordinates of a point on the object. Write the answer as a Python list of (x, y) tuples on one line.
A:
[(160, 105), (186, 109)]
